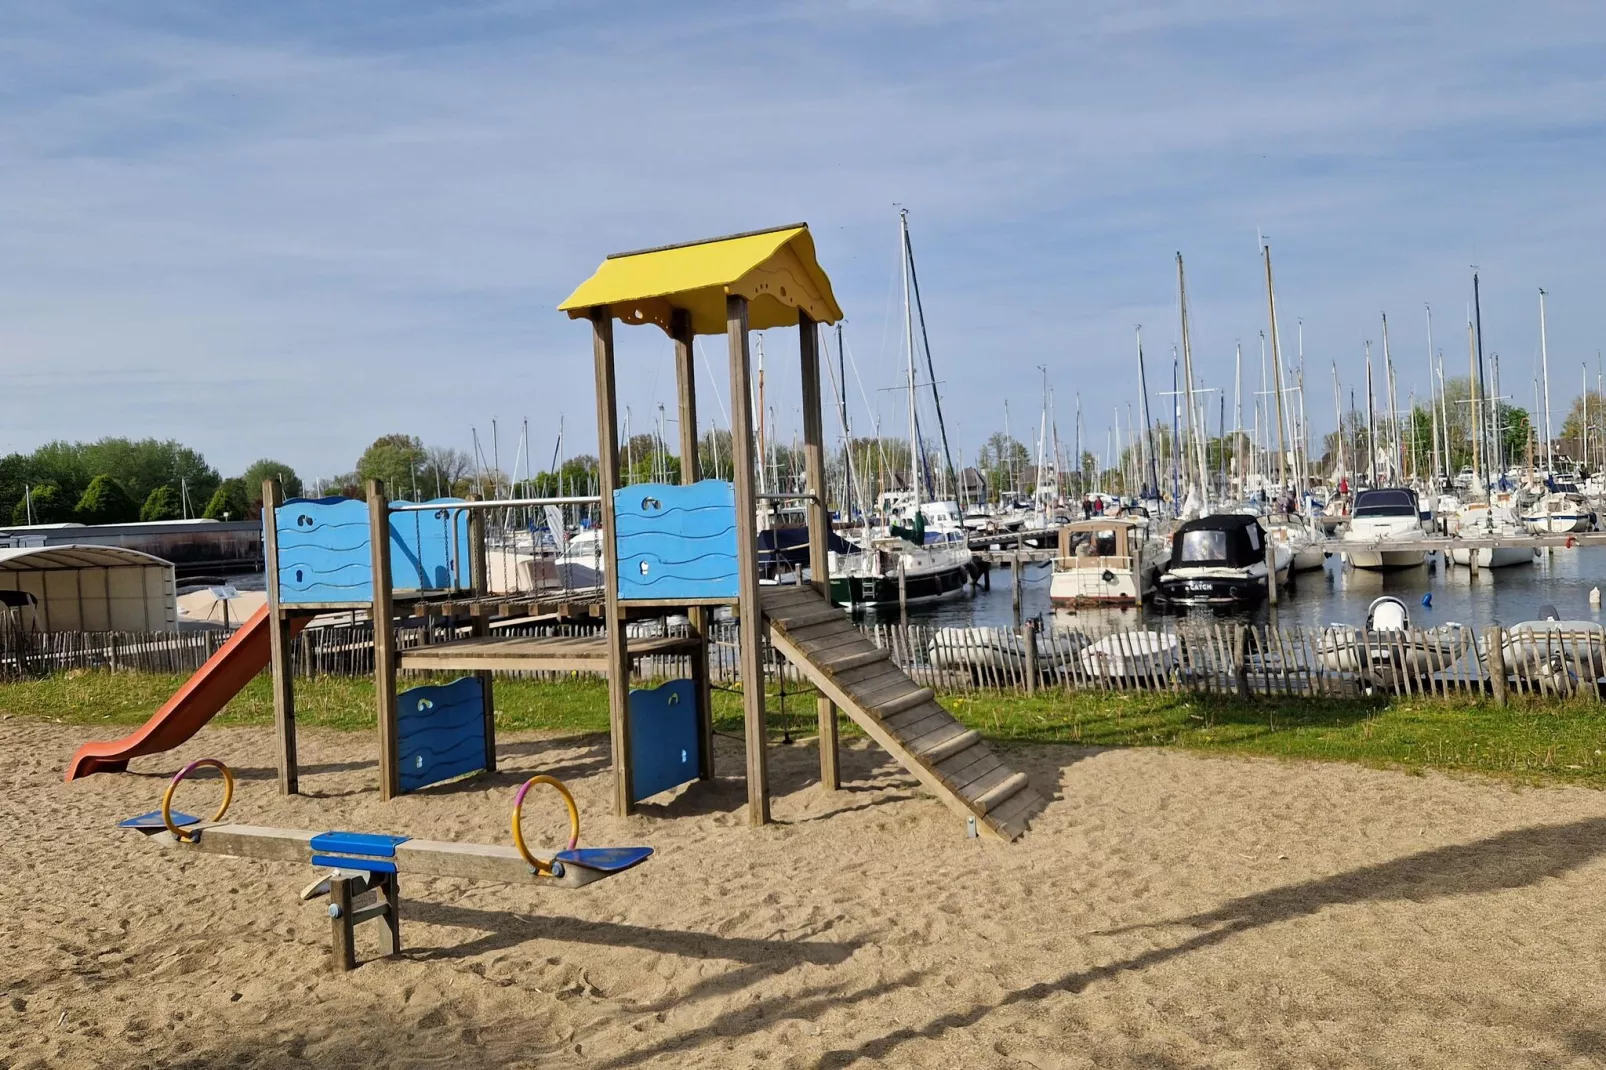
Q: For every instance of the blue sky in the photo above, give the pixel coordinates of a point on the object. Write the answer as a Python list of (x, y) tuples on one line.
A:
[(286, 229)]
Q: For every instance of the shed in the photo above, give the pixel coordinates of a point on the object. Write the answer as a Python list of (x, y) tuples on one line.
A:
[(88, 588)]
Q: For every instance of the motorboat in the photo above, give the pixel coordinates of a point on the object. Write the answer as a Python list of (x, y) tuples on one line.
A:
[(1308, 547), (1104, 562), (1554, 652), (1220, 560), (1560, 512), (932, 565), (1383, 515), (1132, 655), (1479, 520), (1387, 650)]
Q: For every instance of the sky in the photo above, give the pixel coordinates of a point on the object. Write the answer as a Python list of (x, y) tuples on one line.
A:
[(282, 230)]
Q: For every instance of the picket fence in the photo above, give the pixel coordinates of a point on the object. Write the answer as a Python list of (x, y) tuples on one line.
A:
[(1224, 658)]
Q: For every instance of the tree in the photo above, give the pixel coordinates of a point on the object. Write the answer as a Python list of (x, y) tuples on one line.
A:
[(395, 459), (266, 469), (445, 473), (106, 502), (46, 502), (1003, 460), (161, 504), (229, 501), (1573, 430)]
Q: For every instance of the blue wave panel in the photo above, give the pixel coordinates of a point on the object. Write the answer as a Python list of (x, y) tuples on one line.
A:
[(675, 541), (324, 554), (663, 737), (424, 555), (441, 732)]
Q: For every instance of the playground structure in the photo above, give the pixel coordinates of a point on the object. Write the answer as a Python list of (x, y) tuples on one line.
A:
[(666, 549), (362, 862)]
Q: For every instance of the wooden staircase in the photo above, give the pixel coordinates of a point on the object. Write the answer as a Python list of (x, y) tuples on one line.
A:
[(860, 678)]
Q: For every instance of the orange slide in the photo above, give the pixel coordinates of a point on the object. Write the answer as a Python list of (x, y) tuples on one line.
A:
[(246, 653)]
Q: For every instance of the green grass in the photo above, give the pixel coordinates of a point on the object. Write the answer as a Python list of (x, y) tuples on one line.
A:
[(1550, 742)]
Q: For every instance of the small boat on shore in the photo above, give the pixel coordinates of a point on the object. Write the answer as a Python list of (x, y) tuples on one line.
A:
[(1386, 650), (1132, 655), (1553, 652)]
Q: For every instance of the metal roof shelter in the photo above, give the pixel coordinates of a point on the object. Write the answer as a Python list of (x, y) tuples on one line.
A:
[(91, 588)]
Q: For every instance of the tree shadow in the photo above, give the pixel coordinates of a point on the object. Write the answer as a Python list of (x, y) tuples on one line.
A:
[(1513, 859)]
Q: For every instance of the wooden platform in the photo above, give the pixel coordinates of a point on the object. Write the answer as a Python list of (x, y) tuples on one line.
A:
[(534, 653), (950, 759), (578, 602)]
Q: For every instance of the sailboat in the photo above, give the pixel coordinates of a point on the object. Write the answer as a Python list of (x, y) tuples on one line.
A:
[(922, 545)]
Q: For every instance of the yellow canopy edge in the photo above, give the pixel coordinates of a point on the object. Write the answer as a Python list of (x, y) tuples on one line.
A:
[(774, 269)]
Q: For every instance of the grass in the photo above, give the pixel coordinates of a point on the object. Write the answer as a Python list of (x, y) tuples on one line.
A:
[(1557, 741)]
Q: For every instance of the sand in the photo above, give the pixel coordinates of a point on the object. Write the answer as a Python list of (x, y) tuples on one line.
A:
[(1167, 910)]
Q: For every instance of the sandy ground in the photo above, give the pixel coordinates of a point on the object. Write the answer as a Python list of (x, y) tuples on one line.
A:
[(1168, 910)]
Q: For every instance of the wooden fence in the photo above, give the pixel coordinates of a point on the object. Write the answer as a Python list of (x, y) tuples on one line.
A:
[(1223, 658)]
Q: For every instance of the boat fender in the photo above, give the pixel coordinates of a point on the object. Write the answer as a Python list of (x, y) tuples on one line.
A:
[(1427, 600)]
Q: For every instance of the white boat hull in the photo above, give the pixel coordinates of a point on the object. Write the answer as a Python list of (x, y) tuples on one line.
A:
[(1492, 556), (1385, 657), (1382, 560), (1132, 655)]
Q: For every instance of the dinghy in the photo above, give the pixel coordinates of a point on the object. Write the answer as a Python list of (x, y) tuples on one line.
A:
[(1386, 651), (1552, 652)]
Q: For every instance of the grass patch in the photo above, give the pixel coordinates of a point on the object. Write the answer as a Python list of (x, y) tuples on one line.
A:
[(1556, 741)]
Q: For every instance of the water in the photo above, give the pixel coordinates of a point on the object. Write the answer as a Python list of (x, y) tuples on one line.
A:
[(1319, 598)]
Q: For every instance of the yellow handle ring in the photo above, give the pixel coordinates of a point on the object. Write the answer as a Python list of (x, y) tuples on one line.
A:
[(543, 868), (167, 797)]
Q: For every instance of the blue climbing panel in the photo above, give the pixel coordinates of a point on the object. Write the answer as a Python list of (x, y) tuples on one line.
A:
[(440, 732), (676, 541), (324, 551), (663, 737), (325, 554)]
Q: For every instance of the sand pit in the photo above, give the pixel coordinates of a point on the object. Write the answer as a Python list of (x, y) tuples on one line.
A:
[(1168, 910)]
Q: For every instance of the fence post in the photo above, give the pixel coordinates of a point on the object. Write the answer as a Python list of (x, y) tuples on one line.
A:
[(1029, 645), (1495, 637), (1240, 661)]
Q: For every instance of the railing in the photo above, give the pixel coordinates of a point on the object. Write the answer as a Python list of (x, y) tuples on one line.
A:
[(1220, 658)]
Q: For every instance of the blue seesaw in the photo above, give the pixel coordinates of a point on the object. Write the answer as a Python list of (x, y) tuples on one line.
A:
[(362, 862)]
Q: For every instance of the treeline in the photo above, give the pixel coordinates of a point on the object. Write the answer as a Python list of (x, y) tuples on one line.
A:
[(119, 480)]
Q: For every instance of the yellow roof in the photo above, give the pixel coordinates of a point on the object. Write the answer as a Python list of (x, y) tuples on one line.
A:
[(774, 269)]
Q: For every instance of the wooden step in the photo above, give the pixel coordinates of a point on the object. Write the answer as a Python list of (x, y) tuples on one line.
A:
[(838, 666), (995, 796), (950, 747), (907, 702), (803, 620)]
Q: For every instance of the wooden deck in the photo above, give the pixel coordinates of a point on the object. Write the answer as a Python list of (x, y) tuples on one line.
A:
[(535, 653), (903, 717)]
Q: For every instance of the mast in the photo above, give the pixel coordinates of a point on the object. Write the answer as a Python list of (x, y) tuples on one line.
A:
[(1477, 314), (909, 345), (1476, 430), (847, 436), (1277, 372), (1433, 404), (1544, 365), (1303, 469), (1238, 413), (1584, 449), (1397, 452), (925, 343), (1338, 414), (1148, 423), (1196, 444), (1371, 421)]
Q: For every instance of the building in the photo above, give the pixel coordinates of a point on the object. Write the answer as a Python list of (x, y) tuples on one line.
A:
[(87, 588)]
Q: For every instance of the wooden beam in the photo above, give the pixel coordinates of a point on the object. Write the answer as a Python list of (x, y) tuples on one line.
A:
[(691, 472), (480, 625), (624, 796), (751, 623), (383, 611), (819, 521), (284, 690)]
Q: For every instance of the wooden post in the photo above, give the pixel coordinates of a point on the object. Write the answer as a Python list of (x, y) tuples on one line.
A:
[(383, 614), (340, 927), (624, 795), (390, 897), (691, 472), (479, 624), (751, 624), (284, 688), (1015, 580), (1028, 641), (819, 519), (903, 588), (1240, 661), (1271, 570), (1495, 637)]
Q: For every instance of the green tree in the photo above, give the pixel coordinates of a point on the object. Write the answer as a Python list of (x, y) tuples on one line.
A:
[(1003, 460), (106, 502), (395, 459), (161, 504), (1573, 439), (47, 502), (229, 501), (266, 469)]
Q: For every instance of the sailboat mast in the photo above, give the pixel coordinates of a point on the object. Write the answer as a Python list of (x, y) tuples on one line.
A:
[(1277, 372), (1544, 365), (1195, 443), (909, 347), (1477, 408), (1338, 414), (1371, 422), (1303, 473), (1477, 316), (1238, 413), (925, 343), (1433, 403), (1148, 423), (1397, 449)]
